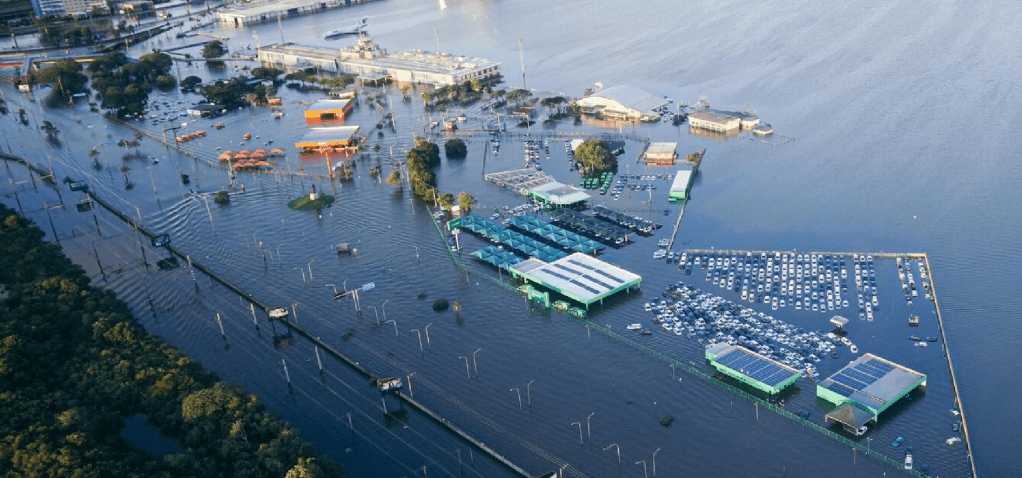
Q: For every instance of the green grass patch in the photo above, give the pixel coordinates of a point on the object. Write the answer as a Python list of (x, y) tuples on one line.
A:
[(305, 204)]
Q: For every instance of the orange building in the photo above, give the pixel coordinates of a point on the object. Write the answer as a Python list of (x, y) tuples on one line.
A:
[(328, 111)]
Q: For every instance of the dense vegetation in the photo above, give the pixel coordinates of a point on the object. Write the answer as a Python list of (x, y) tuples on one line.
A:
[(125, 86), (74, 364), (421, 160), (593, 158), (66, 78), (237, 92), (455, 149)]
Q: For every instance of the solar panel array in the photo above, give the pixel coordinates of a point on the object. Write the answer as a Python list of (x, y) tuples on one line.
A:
[(851, 379), (755, 367)]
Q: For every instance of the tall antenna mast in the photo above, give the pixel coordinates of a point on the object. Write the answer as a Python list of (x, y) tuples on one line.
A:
[(437, 31), (280, 26), (521, 59)]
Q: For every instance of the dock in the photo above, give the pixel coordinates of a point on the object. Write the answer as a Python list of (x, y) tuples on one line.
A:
[(261, 12)]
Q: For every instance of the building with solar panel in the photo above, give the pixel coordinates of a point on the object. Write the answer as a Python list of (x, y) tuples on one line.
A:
[(579, 277), (751, 368), (864, 388)]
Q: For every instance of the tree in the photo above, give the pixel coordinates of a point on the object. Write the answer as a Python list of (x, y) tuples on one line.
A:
[(394, 177), (135, 144), (594, 157), (50, 130), (213, 49), (65, 76), (305, 468), (455, 149), (465, 202), (94, 156), (446, 201), (124, 171), (190, 82), (456, 307)]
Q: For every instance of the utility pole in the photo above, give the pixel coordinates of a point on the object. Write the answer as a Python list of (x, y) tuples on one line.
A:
[(521, 60)]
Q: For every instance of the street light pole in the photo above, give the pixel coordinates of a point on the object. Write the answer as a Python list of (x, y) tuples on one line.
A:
[(466, 364), (528, 393), (615, 445), (643, 467), (579, 431), (310, 268), (515, 389), (428, 344), (299, 269), (589, 431), (654, 461), (377, 314), (395, 326), (410, 393), (384, 307), (419, 335), (474, 366)]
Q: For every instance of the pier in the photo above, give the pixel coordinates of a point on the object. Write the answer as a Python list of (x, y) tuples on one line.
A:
[(954, 380)]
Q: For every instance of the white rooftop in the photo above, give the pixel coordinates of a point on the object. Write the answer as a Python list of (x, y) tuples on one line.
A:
[(632, 97), (559, 193), (579, 276)]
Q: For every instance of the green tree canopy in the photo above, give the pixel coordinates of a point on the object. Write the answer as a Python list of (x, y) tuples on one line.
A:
[(65, 76), (190, 82), (465, 202), (446, 201), (213, 49), (594, 157), (455, 149)]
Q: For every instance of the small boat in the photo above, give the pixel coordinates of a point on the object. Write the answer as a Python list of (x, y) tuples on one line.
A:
[(634, 327), (247, 136), (645, 332), (951, 441), (922, 344), (931, 339), (330, 35), (915, 338)]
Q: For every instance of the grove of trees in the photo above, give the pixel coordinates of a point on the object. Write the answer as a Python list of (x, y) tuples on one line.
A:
[(74, 364), (125, 87), (593, 157), (455, 149)]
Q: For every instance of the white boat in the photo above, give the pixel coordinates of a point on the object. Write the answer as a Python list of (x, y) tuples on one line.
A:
[(853, 349), (355, 30), (634, 327)]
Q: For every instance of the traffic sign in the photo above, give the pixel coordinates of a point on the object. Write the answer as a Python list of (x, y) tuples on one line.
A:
[(368, 286)]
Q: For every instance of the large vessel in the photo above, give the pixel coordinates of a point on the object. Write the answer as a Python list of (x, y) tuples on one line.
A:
[(354, 30)]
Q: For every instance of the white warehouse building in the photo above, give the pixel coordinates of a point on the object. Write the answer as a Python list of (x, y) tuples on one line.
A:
[(625, 102)]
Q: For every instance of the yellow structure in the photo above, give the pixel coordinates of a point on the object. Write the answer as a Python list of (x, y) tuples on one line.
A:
[(328, 111)]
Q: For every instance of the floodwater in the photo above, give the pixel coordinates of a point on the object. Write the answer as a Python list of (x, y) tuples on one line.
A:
[(894, 134)]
